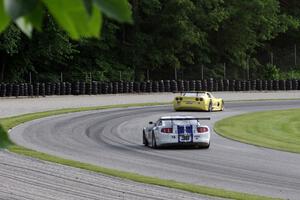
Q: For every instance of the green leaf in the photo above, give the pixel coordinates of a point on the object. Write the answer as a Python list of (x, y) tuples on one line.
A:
[(88, 6), (19, 8), (36, 17), (72, 16), (4, 19), (117, 9), (25, 26)]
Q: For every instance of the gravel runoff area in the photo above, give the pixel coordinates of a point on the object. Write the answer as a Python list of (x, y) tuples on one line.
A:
[(26, 178), (17, 106)]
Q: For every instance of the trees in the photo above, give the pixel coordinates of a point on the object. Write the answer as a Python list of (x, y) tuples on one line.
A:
[(167, 36), (79, 18)]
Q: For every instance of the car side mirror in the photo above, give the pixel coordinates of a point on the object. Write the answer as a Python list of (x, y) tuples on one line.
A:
[(150, 122)]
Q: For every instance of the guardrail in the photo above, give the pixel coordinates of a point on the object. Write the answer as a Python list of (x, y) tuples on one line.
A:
[(95, 88)]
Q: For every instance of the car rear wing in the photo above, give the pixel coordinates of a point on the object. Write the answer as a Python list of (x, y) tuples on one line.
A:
[(201, 118)]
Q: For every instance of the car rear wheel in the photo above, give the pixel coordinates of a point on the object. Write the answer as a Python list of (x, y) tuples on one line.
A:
[(207, 146), (222, 106), (145, 141), (153, 142), (209, 107)]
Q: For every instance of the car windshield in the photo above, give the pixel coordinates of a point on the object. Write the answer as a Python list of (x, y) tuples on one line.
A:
[(193, 94)]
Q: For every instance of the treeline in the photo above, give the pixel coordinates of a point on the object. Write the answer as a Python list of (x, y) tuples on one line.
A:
[(170, 39)]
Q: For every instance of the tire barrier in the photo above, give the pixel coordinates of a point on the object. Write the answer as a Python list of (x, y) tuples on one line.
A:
[(198, 85), (115, 87), (9, 90), (63, 88), (220, 85), (204, 85), (270, 85), (2, 90), (88, 88), (125, 87), (36, 89), (231, 85), (137, 87), (120, 87), (82, 88), (186, 85), (148, 86), (99, 88), (243, 85), (226, 85), (75, 88), (276, 85), (16, 90), (42, 90), (26, 89), (238, 85), (167, 85), (161, 86), (104, 88), (57, 89), (180, 85), (143, 87), (295, 84), (264, 85), (30, 90), (96, 87), (289, 85), (210, 85), (110, 88), (215, 86), (259, 85), (174, 86), (22, 92), (282, 85), (155, 86)]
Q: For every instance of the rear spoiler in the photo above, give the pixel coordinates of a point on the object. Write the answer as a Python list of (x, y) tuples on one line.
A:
[(203, 118)]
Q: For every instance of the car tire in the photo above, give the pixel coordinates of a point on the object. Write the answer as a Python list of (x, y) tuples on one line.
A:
[(222, 106), (207, 146), (145, 141), (209, 107), (153, 142)]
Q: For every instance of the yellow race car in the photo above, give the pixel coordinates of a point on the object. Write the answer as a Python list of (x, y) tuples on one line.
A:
[(198, 101)]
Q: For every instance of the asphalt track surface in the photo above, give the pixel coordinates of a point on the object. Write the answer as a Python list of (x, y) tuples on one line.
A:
[(113, 139)]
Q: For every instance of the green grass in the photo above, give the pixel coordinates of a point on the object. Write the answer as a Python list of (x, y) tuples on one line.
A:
[(272, 129), (7, 123)]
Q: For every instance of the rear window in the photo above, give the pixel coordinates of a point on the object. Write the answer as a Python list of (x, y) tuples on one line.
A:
[(193, 94), (180, 122)]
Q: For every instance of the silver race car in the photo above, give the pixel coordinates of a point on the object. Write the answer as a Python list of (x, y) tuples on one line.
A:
[(177, 130)]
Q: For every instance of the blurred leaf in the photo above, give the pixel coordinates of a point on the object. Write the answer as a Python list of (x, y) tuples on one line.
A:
[(4, 19), (36, 17), (25, 26), (72, 16), (116, 9), (95, 22), (88, 6), (18, 8)]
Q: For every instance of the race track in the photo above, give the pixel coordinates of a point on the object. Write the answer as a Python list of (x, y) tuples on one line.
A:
[(112, 138)]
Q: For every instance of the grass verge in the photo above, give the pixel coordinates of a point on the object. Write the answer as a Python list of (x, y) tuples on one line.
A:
[(272, 129), (8, 123)]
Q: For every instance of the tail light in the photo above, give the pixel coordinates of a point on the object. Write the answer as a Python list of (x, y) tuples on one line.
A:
[(202, 129), (167, 130), (178, 98), (197, 99)]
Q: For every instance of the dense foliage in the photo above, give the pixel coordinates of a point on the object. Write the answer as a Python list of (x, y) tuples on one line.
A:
[(183, 39)]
